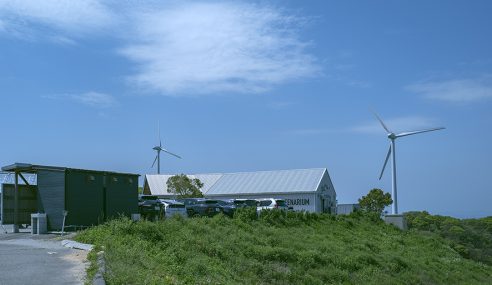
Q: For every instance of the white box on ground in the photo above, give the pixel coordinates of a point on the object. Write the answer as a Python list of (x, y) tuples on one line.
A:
[(135, 217), (39, 224), (397, 220)]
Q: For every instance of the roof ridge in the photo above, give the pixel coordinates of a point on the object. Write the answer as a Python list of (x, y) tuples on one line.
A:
[(239, 172), (280, 170)]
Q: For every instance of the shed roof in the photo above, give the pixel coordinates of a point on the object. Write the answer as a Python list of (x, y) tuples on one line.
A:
[(276, 181), (32, 168)]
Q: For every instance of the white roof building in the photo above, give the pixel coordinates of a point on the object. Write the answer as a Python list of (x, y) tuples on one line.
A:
[(303, 189)]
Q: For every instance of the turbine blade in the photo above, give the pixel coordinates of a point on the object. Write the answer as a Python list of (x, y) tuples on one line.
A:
[(418, 132), (165, 150), (154, 161), (385, 162), (381, 121)]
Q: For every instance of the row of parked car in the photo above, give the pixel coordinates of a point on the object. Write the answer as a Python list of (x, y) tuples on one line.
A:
[(153, 208)]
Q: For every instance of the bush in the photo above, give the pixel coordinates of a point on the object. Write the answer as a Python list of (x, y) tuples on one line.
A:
[(246, 214), (278, 247), (471, 238)]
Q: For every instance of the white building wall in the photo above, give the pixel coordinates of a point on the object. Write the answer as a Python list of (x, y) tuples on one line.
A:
[(346, 209), (327, 198)]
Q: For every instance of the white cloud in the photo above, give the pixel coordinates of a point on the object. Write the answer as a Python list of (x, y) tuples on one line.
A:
[(218, 47), (457, 90), (63, 15), (308, 132), (94, 99), (91, 99), (62, 40), (400, 124), (281, 105), (178, 47)]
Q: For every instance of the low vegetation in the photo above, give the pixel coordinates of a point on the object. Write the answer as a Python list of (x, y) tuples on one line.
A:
[(472, 238), (278, 248)]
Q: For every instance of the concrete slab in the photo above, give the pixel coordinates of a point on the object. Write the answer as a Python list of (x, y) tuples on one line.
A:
[(33, 259)]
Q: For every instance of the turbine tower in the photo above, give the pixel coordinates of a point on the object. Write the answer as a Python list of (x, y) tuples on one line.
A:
[(158, 149), (392, 151)]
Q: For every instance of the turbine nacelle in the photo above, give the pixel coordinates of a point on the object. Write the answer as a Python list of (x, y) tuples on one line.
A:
[(159, 149), (392, 136)]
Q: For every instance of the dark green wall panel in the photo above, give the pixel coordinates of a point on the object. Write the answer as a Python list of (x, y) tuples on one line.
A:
[(121, 195), (84, 197)]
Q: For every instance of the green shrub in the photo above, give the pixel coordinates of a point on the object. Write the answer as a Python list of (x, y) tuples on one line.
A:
[(471, 238), (278, 247), (246, 214)]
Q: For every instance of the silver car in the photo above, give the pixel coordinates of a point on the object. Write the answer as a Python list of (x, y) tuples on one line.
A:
[(271, 203), (172, 208)]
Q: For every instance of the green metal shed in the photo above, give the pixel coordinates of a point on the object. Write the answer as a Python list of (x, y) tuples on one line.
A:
[(89, 197)]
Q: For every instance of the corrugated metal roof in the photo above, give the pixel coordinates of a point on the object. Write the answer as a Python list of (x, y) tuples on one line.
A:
[(158, 182), (277, 181)]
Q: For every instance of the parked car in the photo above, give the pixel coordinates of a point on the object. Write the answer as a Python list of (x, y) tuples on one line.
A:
[(172, 207), (244, 202), (271, 203), (150, 207), (204, 208), (189, 201), (228, 207)]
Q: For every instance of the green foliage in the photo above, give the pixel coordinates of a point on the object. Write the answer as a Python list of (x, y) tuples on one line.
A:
[(184, 187), (246, 214), (375, 201), (471, 238), (277, 247)]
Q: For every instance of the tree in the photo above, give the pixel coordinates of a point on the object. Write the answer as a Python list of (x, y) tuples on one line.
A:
[(184, 187), (375, 201)]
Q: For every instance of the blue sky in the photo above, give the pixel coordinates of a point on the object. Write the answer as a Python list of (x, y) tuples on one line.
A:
[(263, 85)]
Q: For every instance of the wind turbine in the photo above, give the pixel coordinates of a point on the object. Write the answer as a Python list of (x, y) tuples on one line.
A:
[(158, 149), (391, 151)]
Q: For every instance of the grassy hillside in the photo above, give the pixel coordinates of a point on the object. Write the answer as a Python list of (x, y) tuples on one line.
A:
[(278, 249), (472, 238)]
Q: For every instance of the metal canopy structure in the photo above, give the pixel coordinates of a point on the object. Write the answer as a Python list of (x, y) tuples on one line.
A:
[(18, 169)]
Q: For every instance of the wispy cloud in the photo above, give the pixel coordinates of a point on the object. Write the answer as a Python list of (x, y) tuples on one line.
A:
[(62, 40), (91, 99), (398, 124), (281, 105), (94, 99), (179, 47), (457, 90), (311, 131), (218, 47), (64, 15)]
